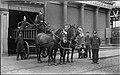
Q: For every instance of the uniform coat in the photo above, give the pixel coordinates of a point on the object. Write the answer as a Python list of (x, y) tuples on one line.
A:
[(20, 46), (95, 43), (39, 18)]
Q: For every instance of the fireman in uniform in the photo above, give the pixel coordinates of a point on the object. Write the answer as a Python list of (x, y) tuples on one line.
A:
[(40, 22), (95, 43), (23, 24), (39, 18), (20, 45)]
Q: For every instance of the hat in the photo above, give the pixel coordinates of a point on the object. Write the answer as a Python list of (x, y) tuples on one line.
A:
[(87, 32), (24, 18), (82, 44), (20, 32), (80, 29), (40, 11), (95, 32)]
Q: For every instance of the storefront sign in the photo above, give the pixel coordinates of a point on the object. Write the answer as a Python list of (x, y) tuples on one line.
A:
[(25, 8), (96, 3), (108, 32)]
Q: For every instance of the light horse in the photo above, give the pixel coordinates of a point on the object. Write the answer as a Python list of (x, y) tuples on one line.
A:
[(51, 42), (73, 33)]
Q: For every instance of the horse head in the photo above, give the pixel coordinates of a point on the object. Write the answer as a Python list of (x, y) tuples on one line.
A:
[(64, 36), (57, 34), (80, 30)]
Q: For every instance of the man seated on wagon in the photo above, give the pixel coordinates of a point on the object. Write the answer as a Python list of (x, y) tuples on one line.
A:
[(39, 21), (23, 24), (39, 18)]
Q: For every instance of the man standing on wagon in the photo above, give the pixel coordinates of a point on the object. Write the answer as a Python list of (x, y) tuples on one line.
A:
[(95, 43), (23, 24)]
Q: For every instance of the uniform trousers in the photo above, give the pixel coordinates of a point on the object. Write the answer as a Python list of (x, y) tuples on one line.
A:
[(95, 55)]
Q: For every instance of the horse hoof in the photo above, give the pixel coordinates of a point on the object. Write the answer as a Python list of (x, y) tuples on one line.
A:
[(39, 61), (68, 61), (64, 62), (49, 64), (55, 64), (60, 63)]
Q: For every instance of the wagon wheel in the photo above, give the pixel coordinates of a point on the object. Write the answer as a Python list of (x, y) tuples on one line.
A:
[(45, 53), (26, 50)]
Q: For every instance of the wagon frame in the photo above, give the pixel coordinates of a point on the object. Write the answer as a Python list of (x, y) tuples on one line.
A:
[(29, 41)]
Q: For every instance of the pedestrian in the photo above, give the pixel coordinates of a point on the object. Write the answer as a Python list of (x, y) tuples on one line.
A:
[(87, 44), (82, 52), (20, 45), (95, 43)]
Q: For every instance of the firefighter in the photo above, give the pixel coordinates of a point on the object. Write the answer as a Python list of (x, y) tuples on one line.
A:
[(95, 43), (40, 22), (39, 18), (23, 24), (20, 45)]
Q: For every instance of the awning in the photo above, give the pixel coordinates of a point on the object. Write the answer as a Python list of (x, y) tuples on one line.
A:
[(25, 1), (96, 3)]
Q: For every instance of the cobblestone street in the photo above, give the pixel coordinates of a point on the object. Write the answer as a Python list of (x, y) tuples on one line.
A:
[(108, 64)]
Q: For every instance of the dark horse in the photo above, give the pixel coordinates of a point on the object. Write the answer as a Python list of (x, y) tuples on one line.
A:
[(43, 41), (51, 42)]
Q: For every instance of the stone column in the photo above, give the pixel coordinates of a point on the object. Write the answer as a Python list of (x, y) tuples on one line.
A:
[(45, 11), (0, 31), (108, 26), (96, 19), (82, 15), (65, 13), (82, 9), (4, 32)]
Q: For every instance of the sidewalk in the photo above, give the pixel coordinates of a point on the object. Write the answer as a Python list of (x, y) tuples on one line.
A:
[(9, 63), (112, 46)]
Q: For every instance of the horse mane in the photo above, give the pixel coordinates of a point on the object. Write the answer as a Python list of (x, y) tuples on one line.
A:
[(58, 30)]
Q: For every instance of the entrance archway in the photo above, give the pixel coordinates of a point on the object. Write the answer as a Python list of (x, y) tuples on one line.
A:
[(15, 17)]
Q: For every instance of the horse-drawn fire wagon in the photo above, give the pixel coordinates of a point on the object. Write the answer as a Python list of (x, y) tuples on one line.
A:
[(29, 35)]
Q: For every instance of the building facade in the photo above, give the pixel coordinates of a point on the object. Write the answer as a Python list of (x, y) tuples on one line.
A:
[(90, 15)]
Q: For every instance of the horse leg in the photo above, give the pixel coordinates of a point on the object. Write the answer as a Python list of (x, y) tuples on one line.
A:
[(49, 58), (64, 54), (39, 57), (68, 51), (61, 55), (72, 54), (37, 50), (55, 51), (50, 55)]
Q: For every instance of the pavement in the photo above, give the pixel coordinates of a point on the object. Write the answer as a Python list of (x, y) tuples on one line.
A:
[(112, 46), (108, 64)]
